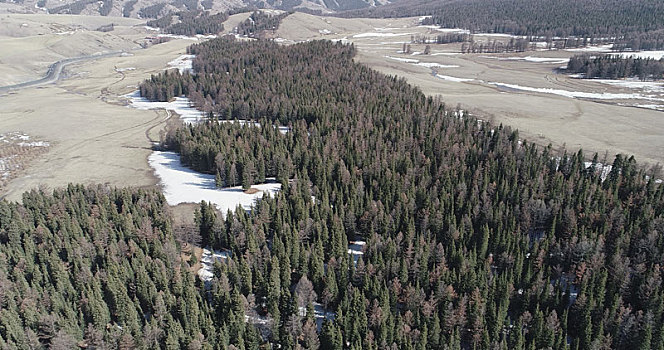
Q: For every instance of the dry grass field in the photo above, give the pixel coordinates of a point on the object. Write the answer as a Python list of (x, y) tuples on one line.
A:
[(93, 136)]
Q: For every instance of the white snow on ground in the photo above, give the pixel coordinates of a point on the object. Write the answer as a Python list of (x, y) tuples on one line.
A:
[(320, 314), (173, 36), (407, 60), (182, 63), (655, 107), (183, 185), (603, 170), (124, 69), (649, 86), (355, 249), (206, 272), (181, 106), (454, 79), (498, 35), (34, 144), (576, 94), (378, 35), (194, 38), (324, 31), (152, 28), (445, 54), (655, 55), (437, 65), (551, 60), (447, 30), (599, 48)]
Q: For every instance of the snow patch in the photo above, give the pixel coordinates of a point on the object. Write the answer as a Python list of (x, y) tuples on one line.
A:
[(379, 35), (183, 63), (356, 249), (436, 65), (206, 272), (183, 185), (407, 60), (454, 79), (600, 48), (575, 94), (181, 105)]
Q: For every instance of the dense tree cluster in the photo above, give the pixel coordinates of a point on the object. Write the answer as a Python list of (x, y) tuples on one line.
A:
[(474, 238), (152, 11), (259, 23), (616, 67), (440, 38), (106, 7), (554, 20), (495, 46), (640, 41), (128, 7), (189, 5), (161, 22), (74, 8), (191, 23), (97, 268)]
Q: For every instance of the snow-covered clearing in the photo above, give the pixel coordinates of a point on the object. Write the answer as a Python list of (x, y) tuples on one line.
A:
[(550, 60), (183, 185), (406, 60), (436, 65), (602, 169), (119, 70), (206, 272), (320, 314), (152, 28), (379, 35), (183, 63), (454, 79), (599, 48), (181, 105), (649, 86), (356, 249), (423, 64), (446, 30)]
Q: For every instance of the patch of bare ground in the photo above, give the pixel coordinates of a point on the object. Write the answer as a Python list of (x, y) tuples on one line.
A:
[(251, 191)]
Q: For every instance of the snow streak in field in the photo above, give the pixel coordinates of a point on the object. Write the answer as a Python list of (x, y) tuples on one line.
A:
[(575, 94)]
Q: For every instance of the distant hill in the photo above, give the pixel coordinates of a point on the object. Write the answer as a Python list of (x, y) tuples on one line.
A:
[(158, 8)]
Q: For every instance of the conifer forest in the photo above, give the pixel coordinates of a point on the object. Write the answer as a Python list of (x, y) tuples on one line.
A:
[(402, 223)]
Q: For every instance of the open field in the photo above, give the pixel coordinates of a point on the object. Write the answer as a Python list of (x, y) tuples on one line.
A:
[(93, 136), (522, 90)]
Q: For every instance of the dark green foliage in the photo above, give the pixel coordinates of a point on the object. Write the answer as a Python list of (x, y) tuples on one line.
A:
[(615, 67), (152, 11), (93, 265), (74, 8), (474, 238), (191, 23), (128, 7), (106, 7), (259, 23), (633, 24)]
